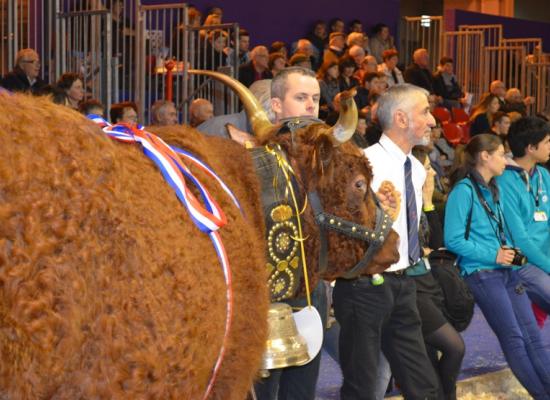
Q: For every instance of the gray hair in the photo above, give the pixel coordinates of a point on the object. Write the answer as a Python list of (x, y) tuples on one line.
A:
[(398, 97), (157, 107), (262, 91), (24, 53), (278, 84), (256, 50)]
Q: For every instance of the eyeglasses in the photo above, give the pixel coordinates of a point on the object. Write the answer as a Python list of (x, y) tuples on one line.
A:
[(36, 62)]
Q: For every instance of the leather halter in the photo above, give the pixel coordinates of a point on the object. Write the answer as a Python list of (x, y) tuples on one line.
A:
[(374, 237)]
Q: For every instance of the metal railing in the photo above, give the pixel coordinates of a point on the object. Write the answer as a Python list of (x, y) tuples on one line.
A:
[(421, 32), (492, 33), (466, 49)]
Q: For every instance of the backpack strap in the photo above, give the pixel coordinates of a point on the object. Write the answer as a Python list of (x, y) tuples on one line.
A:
[(469, 221)]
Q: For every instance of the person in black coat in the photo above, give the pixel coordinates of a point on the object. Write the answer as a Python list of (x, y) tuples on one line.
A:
[(25, 75), (418, 73), (446, 85), (257, 68)]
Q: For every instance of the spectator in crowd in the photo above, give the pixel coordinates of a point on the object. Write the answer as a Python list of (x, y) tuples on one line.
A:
[(125, 112), (304, 46), (446, 85), (346, 66), (221, 124), (439, 335), (215, 55), (70, 85), (295, 93), (330, 87), (318, 36), (279, 47), (277, 62), (500, 124), (514, 101), (389, 67), (336, 25), (358, 54), (523, 186), (381, 41), (489, 263), (335, 47), (367, 65), (498, 88), (92, 106), (163, 112), (375, 318), (244, 45), (356, 39), (211, 19), (217, 11), (374, 83), (334, 113), (356, 26), (418, 73), (25, 76), (257, 68), (300, 60), (442, 153), (200, 110), (374, 130), (481, 118), (359, 136), (194, 16)]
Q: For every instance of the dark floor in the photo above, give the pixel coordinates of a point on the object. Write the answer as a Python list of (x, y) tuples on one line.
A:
[(483, 355)]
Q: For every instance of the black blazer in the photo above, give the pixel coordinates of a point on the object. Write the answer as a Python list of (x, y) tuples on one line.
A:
[(247, 74), (420, 77)]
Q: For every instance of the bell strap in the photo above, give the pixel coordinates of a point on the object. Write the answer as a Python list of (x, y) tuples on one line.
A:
[(375, 238)]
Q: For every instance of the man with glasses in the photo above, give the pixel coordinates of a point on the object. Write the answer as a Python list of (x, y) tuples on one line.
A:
[(25, 75)]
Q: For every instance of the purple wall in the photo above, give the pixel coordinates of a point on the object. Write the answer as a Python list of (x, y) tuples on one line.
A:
[(512, 27), (289, 20)]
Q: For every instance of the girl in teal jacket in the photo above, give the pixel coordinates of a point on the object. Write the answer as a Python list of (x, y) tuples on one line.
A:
[(486, 258)]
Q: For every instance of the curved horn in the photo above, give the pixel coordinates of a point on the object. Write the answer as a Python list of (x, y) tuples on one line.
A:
[(345, 127), (256, 114)]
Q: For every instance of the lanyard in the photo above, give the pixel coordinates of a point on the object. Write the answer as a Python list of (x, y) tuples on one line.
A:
[(536, 196), (496, 217)]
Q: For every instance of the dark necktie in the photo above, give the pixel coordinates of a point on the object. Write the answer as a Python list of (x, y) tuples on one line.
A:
[(394, 76), (412, 217)]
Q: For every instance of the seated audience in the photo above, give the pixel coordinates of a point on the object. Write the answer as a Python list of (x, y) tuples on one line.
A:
[(163, 112), (25, 76), (336, 25), (418, 73), (356, 39), (374, 83), (356, 26), (514, 101), (500, 124), (257, 68), (279, 47), (381, 41), (358, 54), (318, 36), (346, 66), (489, 264), (329, 84), (498, 88), (359, 136), (70, 88), (368, 64), (389, 67), (277, 62), (300, 60), (125, 112), (244, 45), (446, 85), (335, 48), (92, 106), (200, 110), (481, 118), (214, 50), (304, 46)]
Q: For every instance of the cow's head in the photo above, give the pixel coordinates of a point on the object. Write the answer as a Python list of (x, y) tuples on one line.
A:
[(337, 170)]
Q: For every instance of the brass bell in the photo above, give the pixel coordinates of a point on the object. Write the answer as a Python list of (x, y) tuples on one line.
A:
[(285, 346)]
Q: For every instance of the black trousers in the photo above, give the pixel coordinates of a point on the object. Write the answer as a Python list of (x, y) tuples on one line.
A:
[(382, 317)]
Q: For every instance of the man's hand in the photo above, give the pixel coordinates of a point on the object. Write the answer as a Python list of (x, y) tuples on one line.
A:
[(390, 199)]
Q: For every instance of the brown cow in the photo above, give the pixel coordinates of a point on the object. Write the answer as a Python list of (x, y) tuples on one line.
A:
[(107, 289)]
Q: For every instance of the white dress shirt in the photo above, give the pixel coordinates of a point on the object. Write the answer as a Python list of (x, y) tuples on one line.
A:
[(388, 164)]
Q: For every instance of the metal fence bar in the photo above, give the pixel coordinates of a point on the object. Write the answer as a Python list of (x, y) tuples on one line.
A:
[(422, 32)]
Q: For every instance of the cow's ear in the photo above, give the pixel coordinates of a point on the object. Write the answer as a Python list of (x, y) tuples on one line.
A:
[(323, 152)]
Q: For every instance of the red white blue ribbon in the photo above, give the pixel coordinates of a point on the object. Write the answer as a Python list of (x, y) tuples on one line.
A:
[(208, 218)]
